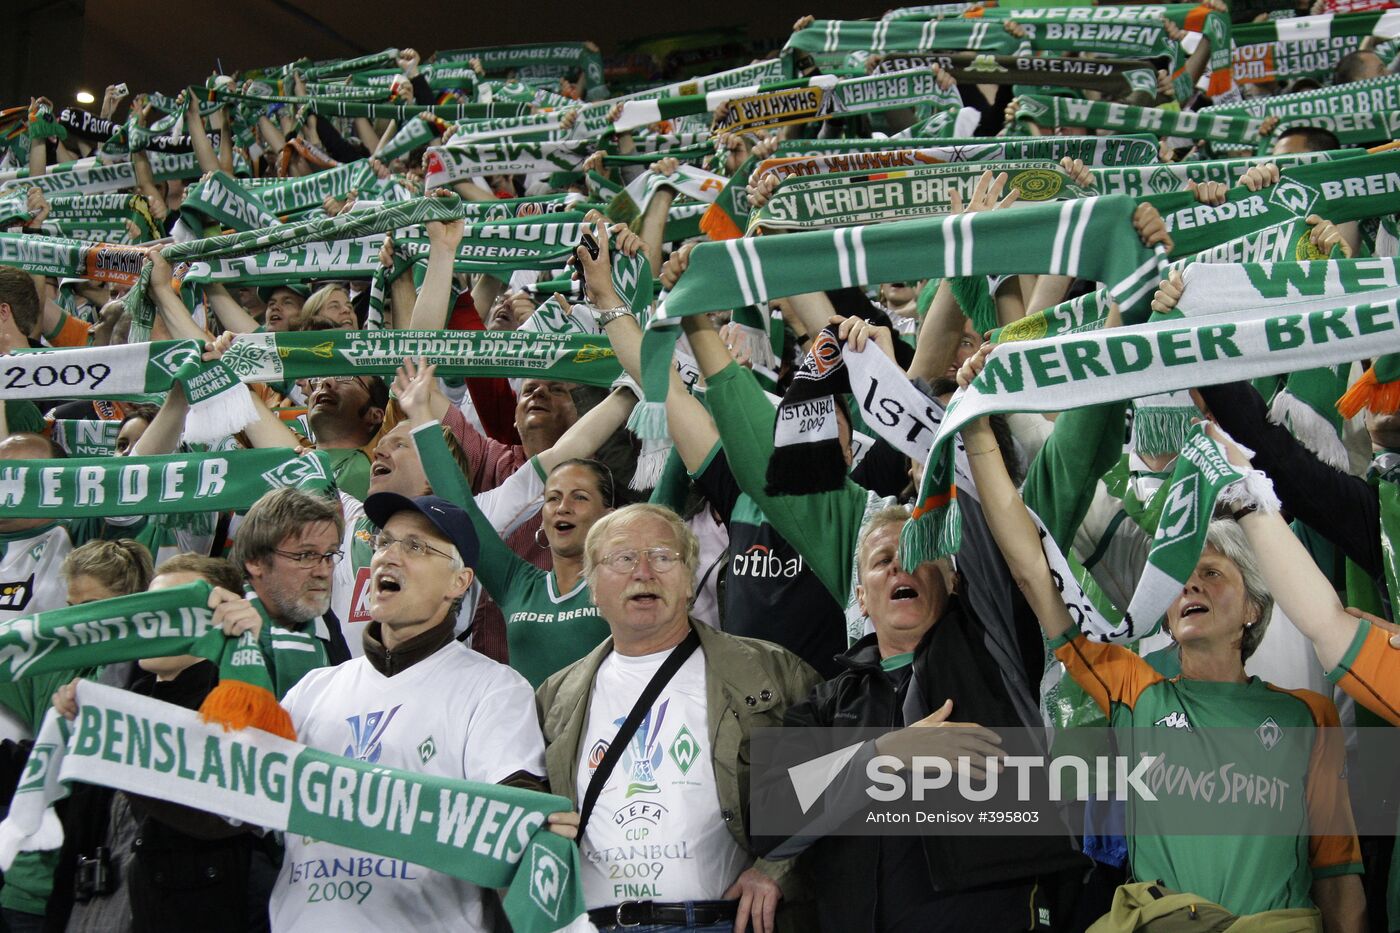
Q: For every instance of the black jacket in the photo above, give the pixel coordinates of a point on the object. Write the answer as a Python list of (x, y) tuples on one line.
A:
[(950, 663)]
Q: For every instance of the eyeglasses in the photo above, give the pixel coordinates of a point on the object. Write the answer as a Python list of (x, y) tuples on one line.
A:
[(311, 558), (660, 559), (416, 547), (335, 380)]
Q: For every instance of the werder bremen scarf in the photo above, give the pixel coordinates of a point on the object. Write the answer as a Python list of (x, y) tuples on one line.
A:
[(445, 165), (806, 441), (1087, 237), (1138, 180), (157, 624), (223, 201), (143, 746), (85, 437), (64, 258), (1111, 76), (1209, 124), (90, 176), (729, 216), (1361, 112), (169, 484), (218, 404), (1305, 46), (845, 97), (1123, 363), (860, 198)]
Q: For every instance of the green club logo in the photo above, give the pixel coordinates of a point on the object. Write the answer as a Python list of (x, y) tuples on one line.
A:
[(1270, 733), (987, 64), (36, 768), (1037, 184), (171, 360), (684, 750), (1163, 181), (426, 750), (548, 876), (297, 473), (1294, 197), (1031, 108), (1141, 79), (1178, 512), (253, 353)]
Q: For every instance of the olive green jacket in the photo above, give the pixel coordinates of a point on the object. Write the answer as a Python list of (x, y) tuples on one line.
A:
[(748, 685)]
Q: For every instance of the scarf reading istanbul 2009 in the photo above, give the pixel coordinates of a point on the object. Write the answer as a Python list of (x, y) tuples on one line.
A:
[(1128, 362), (1088, 237), (488, 834)]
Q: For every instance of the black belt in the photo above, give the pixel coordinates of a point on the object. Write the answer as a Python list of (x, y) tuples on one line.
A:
[(636, 913)]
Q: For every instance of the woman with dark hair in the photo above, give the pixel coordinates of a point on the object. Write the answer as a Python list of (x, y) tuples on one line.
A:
[(551, 621)]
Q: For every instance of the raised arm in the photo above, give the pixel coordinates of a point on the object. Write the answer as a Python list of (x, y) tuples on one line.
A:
[(173, 312), (1010, 520), (433, 304), (232, 315)]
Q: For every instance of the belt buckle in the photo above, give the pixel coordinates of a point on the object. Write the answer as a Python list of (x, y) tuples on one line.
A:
[(617, 916)]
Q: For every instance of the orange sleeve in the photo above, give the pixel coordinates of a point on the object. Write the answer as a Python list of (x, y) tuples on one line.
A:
[(1329, 801), (73, 332), (1108, 673), (1370, 672)]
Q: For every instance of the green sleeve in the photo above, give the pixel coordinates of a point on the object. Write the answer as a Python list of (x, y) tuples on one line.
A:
[(673, 488), (30, 697), (499, 568), (22, 416), (822, 526), (1061, 481), (353, 475)]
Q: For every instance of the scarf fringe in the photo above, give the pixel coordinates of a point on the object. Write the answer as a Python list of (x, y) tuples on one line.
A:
[(13, 839), (1312, 429), (648, 421), (1161, 430), (219, 416), (1253, 489), (651, 463), (933, 533), (235, 704), (1370, 393)]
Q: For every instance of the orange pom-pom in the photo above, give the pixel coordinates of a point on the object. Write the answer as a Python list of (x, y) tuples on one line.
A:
[(717, 225), (1370, 393), (234, 704)]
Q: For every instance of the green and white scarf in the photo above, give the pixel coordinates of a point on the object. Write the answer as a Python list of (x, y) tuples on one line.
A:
[(90, 176), (454, 110), (85, 437), (1087, 237), (169, 484), (1361, 112), (1111, 76), (444, 165), (289, 195), (65, 258), (419, 131), (1305, 46), (1209, 124), (141, 745), (274, 357), (1123, 363), (218, 404), (547, 60), (1173, 176), (834, 35), (846, 198), (223, 201)]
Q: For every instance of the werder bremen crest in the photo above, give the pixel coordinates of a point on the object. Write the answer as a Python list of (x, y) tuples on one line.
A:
[(298, 473), (254, 354), (548, 878), (170, 361)]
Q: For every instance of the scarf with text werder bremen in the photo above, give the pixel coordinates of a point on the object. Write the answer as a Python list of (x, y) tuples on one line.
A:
[(1356, 113), (1269, 224), (1305, 46), (160, 485), (488, 834), (728, 217), (1128, 362), (822, 98), (846, 198), (1088, 237), (222, 201), (1138, 180), (1115, 77), (219, 406), (1218, 127)]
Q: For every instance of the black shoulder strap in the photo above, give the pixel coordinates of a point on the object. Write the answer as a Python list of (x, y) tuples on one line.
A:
[(658, 682)]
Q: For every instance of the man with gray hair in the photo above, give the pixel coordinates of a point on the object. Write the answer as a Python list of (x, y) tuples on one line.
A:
[(664, 800), (288, 546)]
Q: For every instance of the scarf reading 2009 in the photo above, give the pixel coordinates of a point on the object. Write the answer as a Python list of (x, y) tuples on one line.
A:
[(488, 834)]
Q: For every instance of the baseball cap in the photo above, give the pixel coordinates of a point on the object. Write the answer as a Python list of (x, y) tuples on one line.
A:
[(265, 291), (447, 518)]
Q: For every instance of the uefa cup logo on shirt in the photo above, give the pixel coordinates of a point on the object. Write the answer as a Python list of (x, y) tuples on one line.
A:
[(644, 753)]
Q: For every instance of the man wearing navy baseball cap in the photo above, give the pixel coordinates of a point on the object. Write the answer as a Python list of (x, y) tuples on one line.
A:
[(419, 700)]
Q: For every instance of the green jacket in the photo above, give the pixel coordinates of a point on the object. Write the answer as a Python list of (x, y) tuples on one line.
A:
[(748, 684)]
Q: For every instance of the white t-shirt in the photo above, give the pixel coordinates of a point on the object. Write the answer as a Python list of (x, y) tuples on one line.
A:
[(656, 832), (507, 507), (455, 714)]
